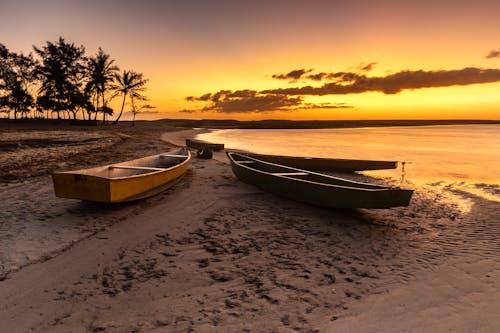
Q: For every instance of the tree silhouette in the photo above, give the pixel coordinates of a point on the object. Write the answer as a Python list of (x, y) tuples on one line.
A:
[(138, 108), (16, 77), (62, 80), (62, 75), (4, 68), (101, 73), (130, 84)]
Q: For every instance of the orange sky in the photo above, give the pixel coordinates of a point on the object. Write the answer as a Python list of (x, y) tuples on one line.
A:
[(191, 48)]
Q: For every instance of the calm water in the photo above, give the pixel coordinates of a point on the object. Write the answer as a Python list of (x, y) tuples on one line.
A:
[(463, 154)]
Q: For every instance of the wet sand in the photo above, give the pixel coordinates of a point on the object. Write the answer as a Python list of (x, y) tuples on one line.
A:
[(213, 254)]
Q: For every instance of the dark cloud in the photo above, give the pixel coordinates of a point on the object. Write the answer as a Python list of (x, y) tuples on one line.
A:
[(344, 76), (338, 76), (352, 83), (241, 94), (493, 54), (241, 101), (297, 74), (143, 113), (255, 103), (205, 97), (293, 75), (318, 77), (223, 94), (368, 67)]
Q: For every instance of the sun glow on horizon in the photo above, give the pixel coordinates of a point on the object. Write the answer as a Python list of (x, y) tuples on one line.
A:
[(480, 101)]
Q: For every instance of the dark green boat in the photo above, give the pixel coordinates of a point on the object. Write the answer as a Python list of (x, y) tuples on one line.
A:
[(326, 164), (315, 188)]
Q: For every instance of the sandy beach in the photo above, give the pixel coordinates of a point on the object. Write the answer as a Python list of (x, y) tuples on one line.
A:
[(212, 254)]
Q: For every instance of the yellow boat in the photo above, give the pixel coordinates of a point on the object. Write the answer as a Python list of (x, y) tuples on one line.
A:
[(126, 181)]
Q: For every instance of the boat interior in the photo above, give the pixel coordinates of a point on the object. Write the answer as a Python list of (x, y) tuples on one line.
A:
[(292, 173), (140, 166)]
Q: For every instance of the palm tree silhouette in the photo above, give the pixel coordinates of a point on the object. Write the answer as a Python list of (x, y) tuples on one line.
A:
[(131, 84), (102, 73), (16, 78), (138, 108), (62, 74)]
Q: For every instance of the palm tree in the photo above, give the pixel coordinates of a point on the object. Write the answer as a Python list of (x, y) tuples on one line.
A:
[(62, 74), (138, 108), (16, 78), (130, 84), (4, 71), (102, 73)]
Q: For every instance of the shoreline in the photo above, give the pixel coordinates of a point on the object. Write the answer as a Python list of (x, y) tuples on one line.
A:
[(178, 138), (215, 254)]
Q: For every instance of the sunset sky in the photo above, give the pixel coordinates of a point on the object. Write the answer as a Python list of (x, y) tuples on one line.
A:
[(286, 59)]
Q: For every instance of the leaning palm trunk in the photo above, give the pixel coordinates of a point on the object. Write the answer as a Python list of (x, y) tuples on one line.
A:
[(133, 110), (121, 110), (131, 84), (96, 106), (103, 110)]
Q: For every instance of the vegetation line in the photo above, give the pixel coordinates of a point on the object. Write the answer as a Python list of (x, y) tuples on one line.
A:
[(60, 81)]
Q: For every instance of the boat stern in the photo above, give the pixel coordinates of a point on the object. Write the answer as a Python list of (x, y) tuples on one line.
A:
[(83, 187)]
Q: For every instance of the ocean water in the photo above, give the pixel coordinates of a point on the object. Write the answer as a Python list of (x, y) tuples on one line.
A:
[(465, 157)]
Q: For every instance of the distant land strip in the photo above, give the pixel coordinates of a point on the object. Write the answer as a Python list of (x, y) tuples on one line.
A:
[(253, 124)]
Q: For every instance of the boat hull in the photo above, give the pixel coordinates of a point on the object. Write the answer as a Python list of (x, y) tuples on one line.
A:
[(200, 145), (345, 195), (84, 185)]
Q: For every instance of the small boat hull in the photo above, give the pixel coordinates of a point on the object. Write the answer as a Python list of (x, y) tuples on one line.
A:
[(327, 164), (201, 145), (314, 188), (125, 181)]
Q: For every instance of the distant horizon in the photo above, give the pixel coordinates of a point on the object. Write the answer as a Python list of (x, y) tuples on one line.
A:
[(323, 120), (180, 117), (194, 120)]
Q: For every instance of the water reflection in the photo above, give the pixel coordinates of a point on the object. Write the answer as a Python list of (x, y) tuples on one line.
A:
[(466, 155)]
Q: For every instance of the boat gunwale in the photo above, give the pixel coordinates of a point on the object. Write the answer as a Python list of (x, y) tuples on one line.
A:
[(382, 188), (153, 172), (323, 158)]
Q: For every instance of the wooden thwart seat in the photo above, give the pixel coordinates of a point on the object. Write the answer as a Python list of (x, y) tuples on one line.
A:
[(134, 167), (173, 155), (290, 173)]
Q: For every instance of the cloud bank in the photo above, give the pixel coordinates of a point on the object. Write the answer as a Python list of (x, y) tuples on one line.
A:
[(353, 83), (338, 83), (227, 101)]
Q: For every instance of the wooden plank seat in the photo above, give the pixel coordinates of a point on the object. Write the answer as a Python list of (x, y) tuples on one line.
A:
[(290, 173), (134, 167), (173, 155)]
